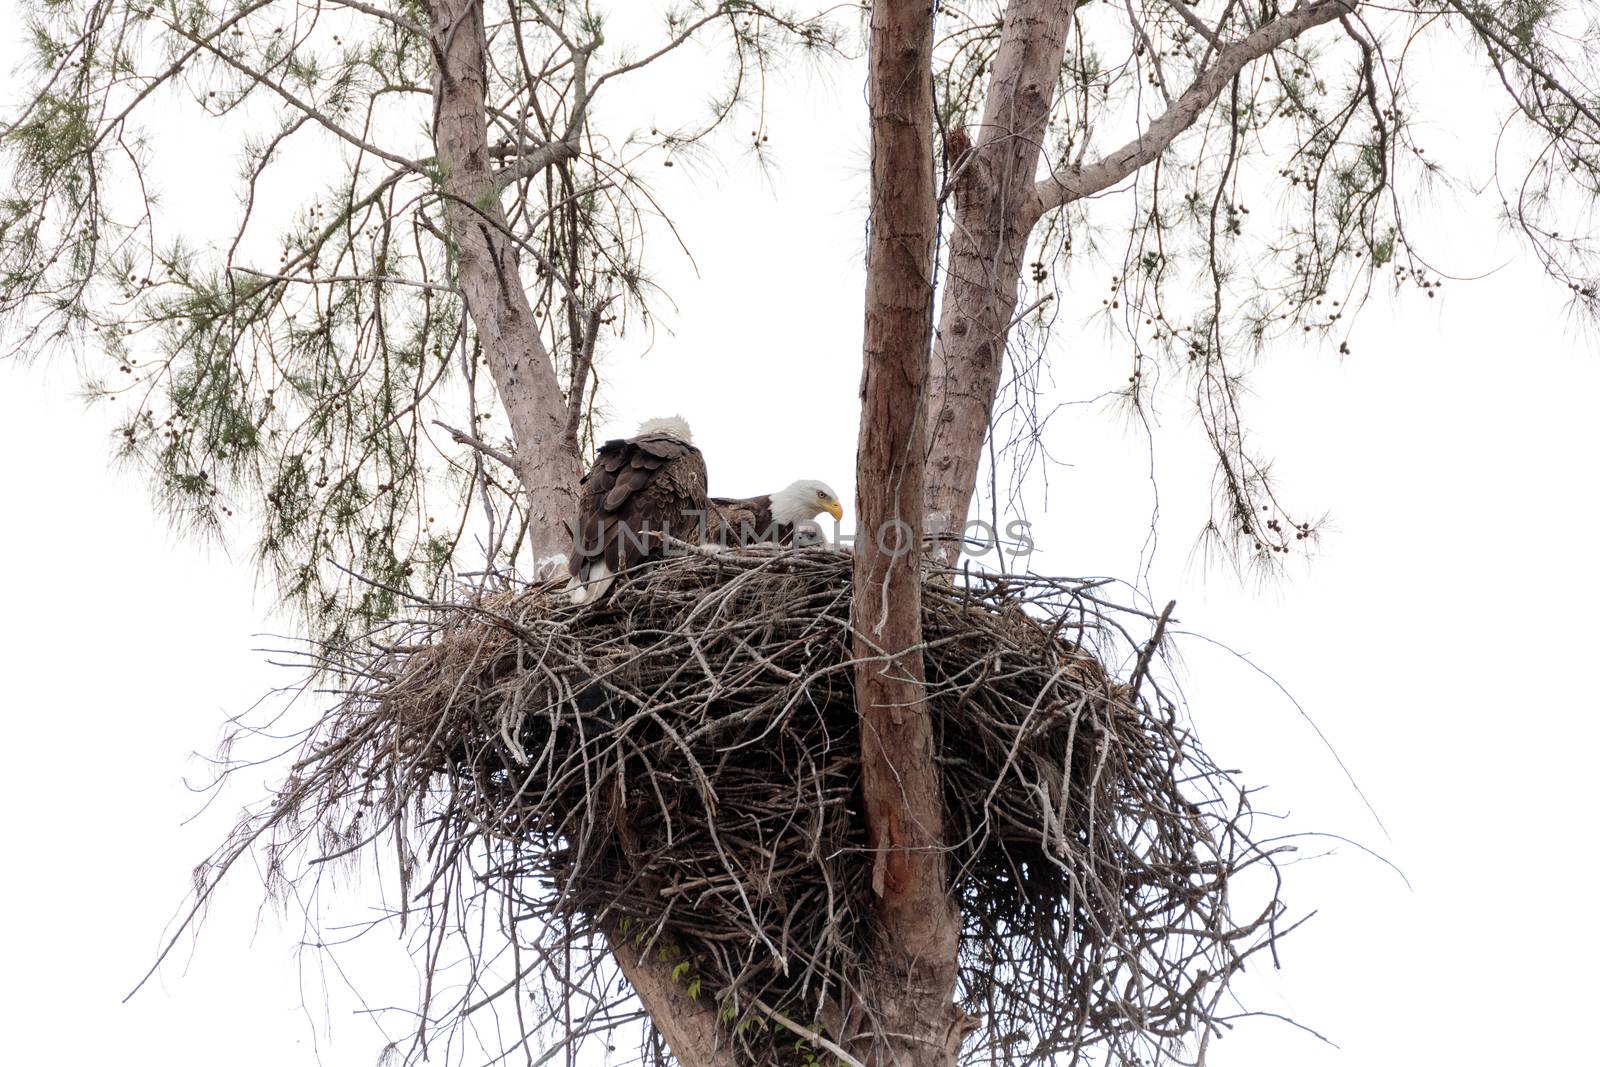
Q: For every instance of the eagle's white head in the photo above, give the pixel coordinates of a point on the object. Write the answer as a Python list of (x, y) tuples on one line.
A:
[(673, 425), (804, 501)]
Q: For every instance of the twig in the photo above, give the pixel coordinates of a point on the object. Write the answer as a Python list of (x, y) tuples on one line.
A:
[(1150, 650), (464, 438), (806, 1032)]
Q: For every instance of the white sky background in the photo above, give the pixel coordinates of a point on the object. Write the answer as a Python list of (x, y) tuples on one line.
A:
[(1439, 638)]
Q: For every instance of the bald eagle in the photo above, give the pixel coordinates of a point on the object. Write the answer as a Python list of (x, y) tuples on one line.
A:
[(784, 516), (653, 485)]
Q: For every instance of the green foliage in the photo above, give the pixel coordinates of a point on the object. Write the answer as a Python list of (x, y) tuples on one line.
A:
[(279, 378)]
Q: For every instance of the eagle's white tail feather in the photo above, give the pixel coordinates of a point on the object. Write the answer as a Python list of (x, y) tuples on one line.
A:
[(588, 588)]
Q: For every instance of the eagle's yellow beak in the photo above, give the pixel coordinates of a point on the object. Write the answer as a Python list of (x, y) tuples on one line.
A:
[(836, 509)]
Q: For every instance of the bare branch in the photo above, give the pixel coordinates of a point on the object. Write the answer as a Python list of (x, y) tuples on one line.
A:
[(1196, 23), (353, 279), (1079, 182), (807, 1033), (529, 165), (306, 108), (500, 456), (583, 361), (396, 20), (567, 147)]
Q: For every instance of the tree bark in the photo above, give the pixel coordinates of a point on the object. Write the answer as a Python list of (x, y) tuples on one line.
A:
[(998, 199), (912, 1019), (487, 270), (546, 459), (1077, 182), (688, 1026), (995, 209)]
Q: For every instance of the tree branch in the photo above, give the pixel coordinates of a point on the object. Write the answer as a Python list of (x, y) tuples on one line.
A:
[(527, 166), (304, 107), (169, 73), (807, 1033), (463, 438), (1494, 32), (398, 21), (1196, 23), (994, 211), (567, 147), (352, 279), (1079, 182), (582, 361)]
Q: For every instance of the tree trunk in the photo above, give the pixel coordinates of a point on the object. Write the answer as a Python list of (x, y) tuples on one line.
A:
[(487, 270), (547, 462), (996, 207), (911, 1019), (998, 201), (688, 1026)]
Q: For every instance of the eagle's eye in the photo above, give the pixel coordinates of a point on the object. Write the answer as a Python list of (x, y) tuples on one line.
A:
[(821, 495)]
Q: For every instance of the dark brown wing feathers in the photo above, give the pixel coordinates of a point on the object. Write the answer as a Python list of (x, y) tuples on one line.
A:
[(652, 483), (748, 521)]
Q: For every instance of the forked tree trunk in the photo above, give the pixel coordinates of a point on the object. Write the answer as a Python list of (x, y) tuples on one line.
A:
[(487, 272), (920, 439), (995, 209), (998, 200), (912, 1020)]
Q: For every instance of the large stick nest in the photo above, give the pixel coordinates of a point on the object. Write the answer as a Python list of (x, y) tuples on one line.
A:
[(680, 766)]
